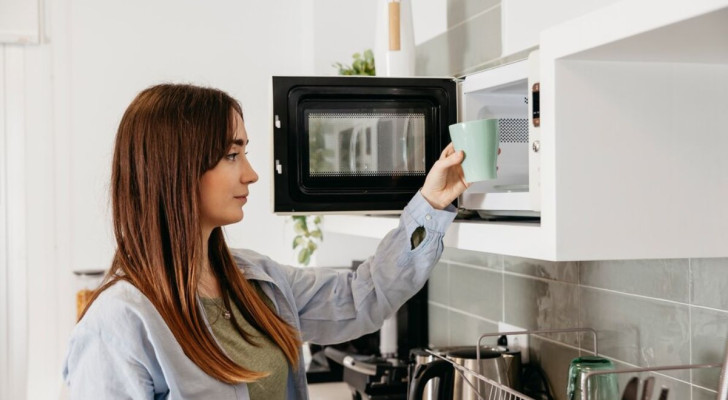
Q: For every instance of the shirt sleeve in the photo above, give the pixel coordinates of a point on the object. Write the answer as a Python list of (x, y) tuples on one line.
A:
[(335, 306)]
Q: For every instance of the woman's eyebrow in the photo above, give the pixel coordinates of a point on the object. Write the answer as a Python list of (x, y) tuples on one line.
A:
[(241, 142)]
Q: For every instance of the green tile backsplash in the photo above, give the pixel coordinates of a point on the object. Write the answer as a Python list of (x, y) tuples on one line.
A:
[(646, 312)]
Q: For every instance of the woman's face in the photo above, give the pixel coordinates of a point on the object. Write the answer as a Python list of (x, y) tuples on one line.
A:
[(224, 188)]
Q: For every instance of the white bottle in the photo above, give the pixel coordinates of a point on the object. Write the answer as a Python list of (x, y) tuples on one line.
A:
[(394, 50)]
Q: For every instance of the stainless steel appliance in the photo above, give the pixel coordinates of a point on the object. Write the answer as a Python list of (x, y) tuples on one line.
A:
[(459, 386), (372, 375)]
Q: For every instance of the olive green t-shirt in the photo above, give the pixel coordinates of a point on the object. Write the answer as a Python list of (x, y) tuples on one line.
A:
[(266, 356)]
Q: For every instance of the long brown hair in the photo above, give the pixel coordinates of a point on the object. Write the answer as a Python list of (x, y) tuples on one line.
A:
[(168, 137)]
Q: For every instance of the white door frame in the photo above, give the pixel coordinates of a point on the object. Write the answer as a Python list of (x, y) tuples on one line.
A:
[(13, 265)]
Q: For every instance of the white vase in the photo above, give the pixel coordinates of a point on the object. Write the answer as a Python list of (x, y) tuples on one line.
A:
[(394, 50)]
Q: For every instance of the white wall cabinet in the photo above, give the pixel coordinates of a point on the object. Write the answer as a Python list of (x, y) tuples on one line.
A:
[(633, 140)]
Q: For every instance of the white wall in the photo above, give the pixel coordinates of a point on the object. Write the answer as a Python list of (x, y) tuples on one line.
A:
[(64, 100)]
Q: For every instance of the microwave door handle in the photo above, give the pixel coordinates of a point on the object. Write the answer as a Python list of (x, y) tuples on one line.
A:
[(352, 148)]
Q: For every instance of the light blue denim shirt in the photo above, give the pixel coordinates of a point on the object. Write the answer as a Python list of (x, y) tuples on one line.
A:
[(122, 348)]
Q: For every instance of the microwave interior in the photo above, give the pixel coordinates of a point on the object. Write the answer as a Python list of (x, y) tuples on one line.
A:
[(510, 194), (356, 144)]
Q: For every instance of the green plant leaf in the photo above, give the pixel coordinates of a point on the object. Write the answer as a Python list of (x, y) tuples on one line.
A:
[(362, 64), (304, 257), (311, 246), (299, 226), (317, 234), (298, 241)]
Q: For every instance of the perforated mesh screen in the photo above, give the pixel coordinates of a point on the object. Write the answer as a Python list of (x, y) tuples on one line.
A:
[(513, 130)]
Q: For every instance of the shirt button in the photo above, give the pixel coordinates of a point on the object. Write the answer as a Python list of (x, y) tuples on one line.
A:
[(428, 217)]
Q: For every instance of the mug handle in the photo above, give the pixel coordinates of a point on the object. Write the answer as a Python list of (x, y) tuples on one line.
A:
[(425, 372)]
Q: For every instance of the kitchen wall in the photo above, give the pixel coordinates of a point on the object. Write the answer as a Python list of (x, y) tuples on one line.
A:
[(60, 102), (646, 312)]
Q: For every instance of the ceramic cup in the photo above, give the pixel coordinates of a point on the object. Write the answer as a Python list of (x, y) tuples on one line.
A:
[(599, 387), (479, 141)]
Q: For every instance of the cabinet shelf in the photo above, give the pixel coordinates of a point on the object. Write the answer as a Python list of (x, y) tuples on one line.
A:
[(510, 238), (632, 138)]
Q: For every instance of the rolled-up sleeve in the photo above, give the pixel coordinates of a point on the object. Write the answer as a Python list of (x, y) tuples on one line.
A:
[(336, 306)]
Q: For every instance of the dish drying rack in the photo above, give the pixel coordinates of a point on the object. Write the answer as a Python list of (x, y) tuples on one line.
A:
[(498, 391)]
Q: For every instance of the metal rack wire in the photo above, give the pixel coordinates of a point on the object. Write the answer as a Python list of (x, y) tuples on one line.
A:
[(498, 391), (488, 389), (589, 374), (495, 390)]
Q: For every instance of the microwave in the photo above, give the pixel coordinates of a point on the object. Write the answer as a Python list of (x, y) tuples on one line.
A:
[(353, 144), (356, 144)]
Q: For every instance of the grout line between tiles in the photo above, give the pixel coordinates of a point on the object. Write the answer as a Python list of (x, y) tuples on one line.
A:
[(690, 320), (487, 10), (473, 266), (458, 311), (503, 288), (578, 303), (657, 299), (511, 273), (449, 301)]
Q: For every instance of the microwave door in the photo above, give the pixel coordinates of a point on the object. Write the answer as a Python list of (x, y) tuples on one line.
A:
[(360, 144)]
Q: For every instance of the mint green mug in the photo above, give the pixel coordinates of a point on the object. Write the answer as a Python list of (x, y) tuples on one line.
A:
[(479, 140)]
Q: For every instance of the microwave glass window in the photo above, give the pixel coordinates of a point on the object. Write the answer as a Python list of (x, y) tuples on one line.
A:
[(365, 144)]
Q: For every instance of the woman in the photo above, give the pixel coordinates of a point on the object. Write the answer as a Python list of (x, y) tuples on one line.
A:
[(180, 315)]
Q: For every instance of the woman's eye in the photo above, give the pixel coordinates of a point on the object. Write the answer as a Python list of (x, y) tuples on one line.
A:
[(232, 156)]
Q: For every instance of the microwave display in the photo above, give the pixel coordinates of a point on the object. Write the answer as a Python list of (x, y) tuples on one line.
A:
[(358, 144)]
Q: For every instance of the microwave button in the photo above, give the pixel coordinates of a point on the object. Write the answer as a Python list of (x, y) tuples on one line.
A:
[(536, 146)]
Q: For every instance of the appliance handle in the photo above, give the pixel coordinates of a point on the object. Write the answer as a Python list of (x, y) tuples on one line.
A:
[(350, 362), (425, 372)]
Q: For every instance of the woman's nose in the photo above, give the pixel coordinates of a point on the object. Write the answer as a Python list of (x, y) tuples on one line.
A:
[(249, 175)]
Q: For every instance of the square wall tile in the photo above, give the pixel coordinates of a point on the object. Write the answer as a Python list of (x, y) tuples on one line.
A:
[(637, 330), (438, 286), (437, 325), (702, 394), (465, 330), (474, 258), (476, 291), (560, 271), (472, 43), (537, 304), (710, 337), (461, 10), (709, 278), (553, 359), (663, 279)]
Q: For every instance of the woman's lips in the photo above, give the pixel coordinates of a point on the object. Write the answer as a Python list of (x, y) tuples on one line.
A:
[(242, 199)]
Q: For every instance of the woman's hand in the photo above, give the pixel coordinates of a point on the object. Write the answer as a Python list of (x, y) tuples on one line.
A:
[(445, 181)]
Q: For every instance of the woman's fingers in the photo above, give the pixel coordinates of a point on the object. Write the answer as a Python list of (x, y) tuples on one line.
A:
[(449, 149)]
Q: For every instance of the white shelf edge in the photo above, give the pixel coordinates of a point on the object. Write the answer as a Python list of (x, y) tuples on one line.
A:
[(507, 238)]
